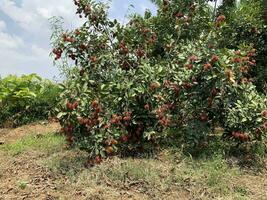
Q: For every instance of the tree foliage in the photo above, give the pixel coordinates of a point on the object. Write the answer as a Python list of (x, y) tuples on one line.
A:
[(133, 85), (25, 99)]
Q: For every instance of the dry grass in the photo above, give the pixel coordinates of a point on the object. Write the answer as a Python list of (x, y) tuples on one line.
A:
[(38, 167)]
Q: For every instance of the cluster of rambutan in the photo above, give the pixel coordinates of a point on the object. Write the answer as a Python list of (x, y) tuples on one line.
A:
[(72, 106), (220, 19), (243, 137), (58, 52), (173, 86), (161, 114), (94, 119), (123, 49)]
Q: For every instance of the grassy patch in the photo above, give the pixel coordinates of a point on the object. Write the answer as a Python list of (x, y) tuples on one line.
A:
[(166, 174), (169, 174), (47, 143), (69, 162)]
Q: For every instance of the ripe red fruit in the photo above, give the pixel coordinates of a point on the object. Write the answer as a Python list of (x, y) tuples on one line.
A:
[(187, 85), (97, 110), (264, 113), (55, 51), (245, 59), (236, 60), (93, 59), (242, 137), (124, 138), (147, 107), (207, 66), (140, 53), (75, 105), (235, 134), (252, 63), (193, 58), (69, 106), (98, 159), (68, 39), (244, 69), (80, 120), (165, 122), (95, 104), (145, 31), (176, 89), (127, 118), (107, 126), (58, 53), (152, 39), (214, 58), (189, 66), (220, 19), (203, 117), (122, 44), (178, 15), (123, 48)]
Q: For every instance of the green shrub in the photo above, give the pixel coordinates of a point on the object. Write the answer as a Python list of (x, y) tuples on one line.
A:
[(25, 99)]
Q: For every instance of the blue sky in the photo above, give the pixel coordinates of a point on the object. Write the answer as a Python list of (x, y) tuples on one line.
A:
[(25, 32)]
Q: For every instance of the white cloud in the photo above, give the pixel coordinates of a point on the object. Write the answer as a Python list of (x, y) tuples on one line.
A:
[(31, 52), (9, 41), (2, 25), (18, 57)]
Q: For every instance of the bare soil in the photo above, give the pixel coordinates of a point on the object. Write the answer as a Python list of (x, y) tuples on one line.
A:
[(13, 134)]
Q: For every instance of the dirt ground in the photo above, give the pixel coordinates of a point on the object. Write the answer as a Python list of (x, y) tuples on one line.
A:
[(13, 134), (27, 176), (25, 167)]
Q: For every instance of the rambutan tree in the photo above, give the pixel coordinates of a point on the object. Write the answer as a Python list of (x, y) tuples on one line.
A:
[(132, 83)]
